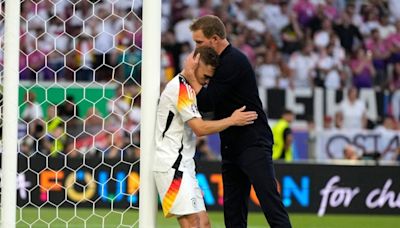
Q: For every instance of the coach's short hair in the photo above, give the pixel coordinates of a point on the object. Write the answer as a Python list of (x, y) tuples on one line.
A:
[(207, 55), (210, 25)]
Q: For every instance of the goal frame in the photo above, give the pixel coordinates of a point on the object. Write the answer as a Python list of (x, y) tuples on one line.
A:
[(151, 28)]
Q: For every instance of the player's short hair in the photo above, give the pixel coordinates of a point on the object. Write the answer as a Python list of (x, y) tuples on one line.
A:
[(207, 55), (210, 25)]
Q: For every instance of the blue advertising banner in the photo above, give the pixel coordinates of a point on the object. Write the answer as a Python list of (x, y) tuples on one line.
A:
[(320, 189)]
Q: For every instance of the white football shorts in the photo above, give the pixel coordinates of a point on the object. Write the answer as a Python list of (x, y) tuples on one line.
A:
[(179, 192)]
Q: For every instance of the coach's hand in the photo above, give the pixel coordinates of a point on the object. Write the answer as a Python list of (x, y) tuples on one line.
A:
[(241, 118), (190, 65)]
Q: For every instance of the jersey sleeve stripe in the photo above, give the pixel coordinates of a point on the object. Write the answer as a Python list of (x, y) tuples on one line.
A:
[(184, 99)]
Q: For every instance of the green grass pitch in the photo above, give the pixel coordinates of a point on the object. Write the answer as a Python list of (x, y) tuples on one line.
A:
[(49, 217)]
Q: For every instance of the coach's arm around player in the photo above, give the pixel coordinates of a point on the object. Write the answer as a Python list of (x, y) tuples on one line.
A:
[(239, 117)]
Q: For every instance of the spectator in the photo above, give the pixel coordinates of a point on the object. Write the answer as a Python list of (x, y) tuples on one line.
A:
[(205, 7), (93, 121), (181, 28), (285, 80), (305, 11), (350, 153), (167, 66), (68, 109), (120, 105), (322, 36), (32, 110), (352, 10), (348, 33), (40, 141), (394, 82), (175, 49), (362, 68), (338, 121), (371, 19), (131, 65), (85, 58), (103, 42), (36, 62), (70, 148), (240, 42), (353, 110), (388, 124), (394, 8), (254, 22), (303, 65), (338, 52), (327, 122), (56, 61), (26, 147), (268, 71), (380, 55), (275, 16), (112, 144), (394, 86), (133, 120), (329, 69), (386, 28), (291, 36), (393, 43), (184, 52), (380, 7), (330, 10), (69, 112)]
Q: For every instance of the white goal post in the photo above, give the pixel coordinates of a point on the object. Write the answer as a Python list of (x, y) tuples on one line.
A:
[(150, 92), (10, 114)]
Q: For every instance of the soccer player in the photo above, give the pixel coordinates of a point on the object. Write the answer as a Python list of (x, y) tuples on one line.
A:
[(246, 150), (177, 119)]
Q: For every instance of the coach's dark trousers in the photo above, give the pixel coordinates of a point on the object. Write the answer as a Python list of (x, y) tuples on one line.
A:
[(239, 171)]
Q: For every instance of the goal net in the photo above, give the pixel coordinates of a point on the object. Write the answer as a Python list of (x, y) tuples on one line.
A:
[(79, 112)]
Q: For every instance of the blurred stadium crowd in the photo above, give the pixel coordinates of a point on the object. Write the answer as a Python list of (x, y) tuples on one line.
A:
[(292, 44)]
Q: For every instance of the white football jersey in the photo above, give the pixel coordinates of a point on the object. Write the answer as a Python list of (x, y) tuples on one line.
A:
[(175, 140)]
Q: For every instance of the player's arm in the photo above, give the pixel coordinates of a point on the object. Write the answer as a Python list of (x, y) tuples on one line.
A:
[(238, 118)]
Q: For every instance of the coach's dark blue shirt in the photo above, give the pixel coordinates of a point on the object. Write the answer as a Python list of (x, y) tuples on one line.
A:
[(234, 85)]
